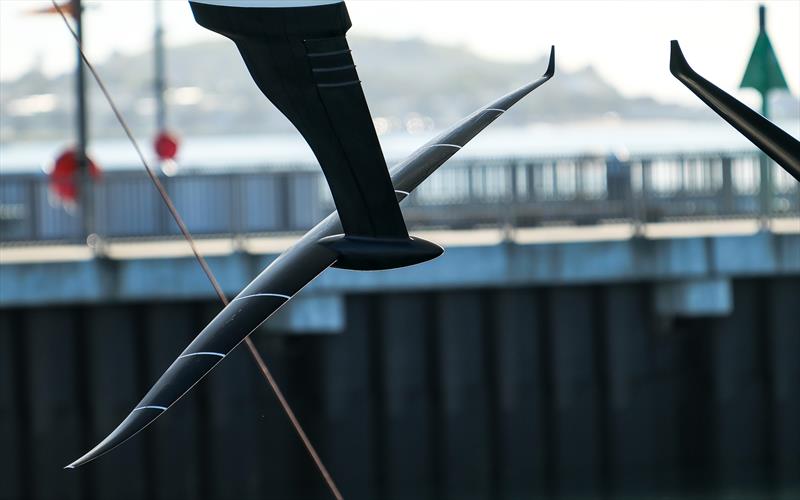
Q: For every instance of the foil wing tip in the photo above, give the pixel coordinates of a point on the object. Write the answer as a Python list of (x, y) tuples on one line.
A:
[(551, 63), (133, 423), (677, 61)]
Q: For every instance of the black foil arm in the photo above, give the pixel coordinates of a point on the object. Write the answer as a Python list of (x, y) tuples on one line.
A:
[(300, 60), (298, 56), (777, 144)]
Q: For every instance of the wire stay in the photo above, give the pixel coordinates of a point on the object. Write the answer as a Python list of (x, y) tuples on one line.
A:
[(251, 347)]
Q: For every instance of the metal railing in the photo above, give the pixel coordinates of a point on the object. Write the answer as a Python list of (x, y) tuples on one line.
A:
[(463, 194)]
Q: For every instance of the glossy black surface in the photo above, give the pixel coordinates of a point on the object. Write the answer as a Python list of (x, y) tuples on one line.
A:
[(300, 59), (770, 139), (294, 269), (373, 254)]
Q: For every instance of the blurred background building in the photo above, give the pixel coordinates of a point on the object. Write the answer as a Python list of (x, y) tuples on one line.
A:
[(615, 315)]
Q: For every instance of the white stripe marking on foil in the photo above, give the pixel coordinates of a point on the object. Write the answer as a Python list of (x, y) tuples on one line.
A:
[(203, 353), (280, 295)]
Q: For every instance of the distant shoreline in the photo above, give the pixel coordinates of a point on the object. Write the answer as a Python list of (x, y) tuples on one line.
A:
[(587, 137)]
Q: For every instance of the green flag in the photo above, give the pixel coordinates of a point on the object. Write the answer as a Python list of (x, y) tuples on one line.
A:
[(763, 72)]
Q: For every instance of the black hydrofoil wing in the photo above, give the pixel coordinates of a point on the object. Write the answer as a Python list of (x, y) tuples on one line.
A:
[(777, 144), (289, 273), (297, 53)]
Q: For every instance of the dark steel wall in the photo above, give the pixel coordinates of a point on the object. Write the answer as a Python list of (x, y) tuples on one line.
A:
[(453, 395)]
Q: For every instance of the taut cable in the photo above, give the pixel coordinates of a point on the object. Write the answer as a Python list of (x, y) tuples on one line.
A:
[(262, 365)]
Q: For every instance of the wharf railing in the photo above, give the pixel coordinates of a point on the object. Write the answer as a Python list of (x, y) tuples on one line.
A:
[(469, 193)]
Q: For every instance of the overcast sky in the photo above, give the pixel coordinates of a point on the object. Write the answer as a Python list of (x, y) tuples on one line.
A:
[(627, 42)]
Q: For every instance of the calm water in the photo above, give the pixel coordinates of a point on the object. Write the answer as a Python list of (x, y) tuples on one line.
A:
[(596, 137)]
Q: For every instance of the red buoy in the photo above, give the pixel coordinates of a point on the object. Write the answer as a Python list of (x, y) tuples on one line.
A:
[(166, 145), (63, 177)]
